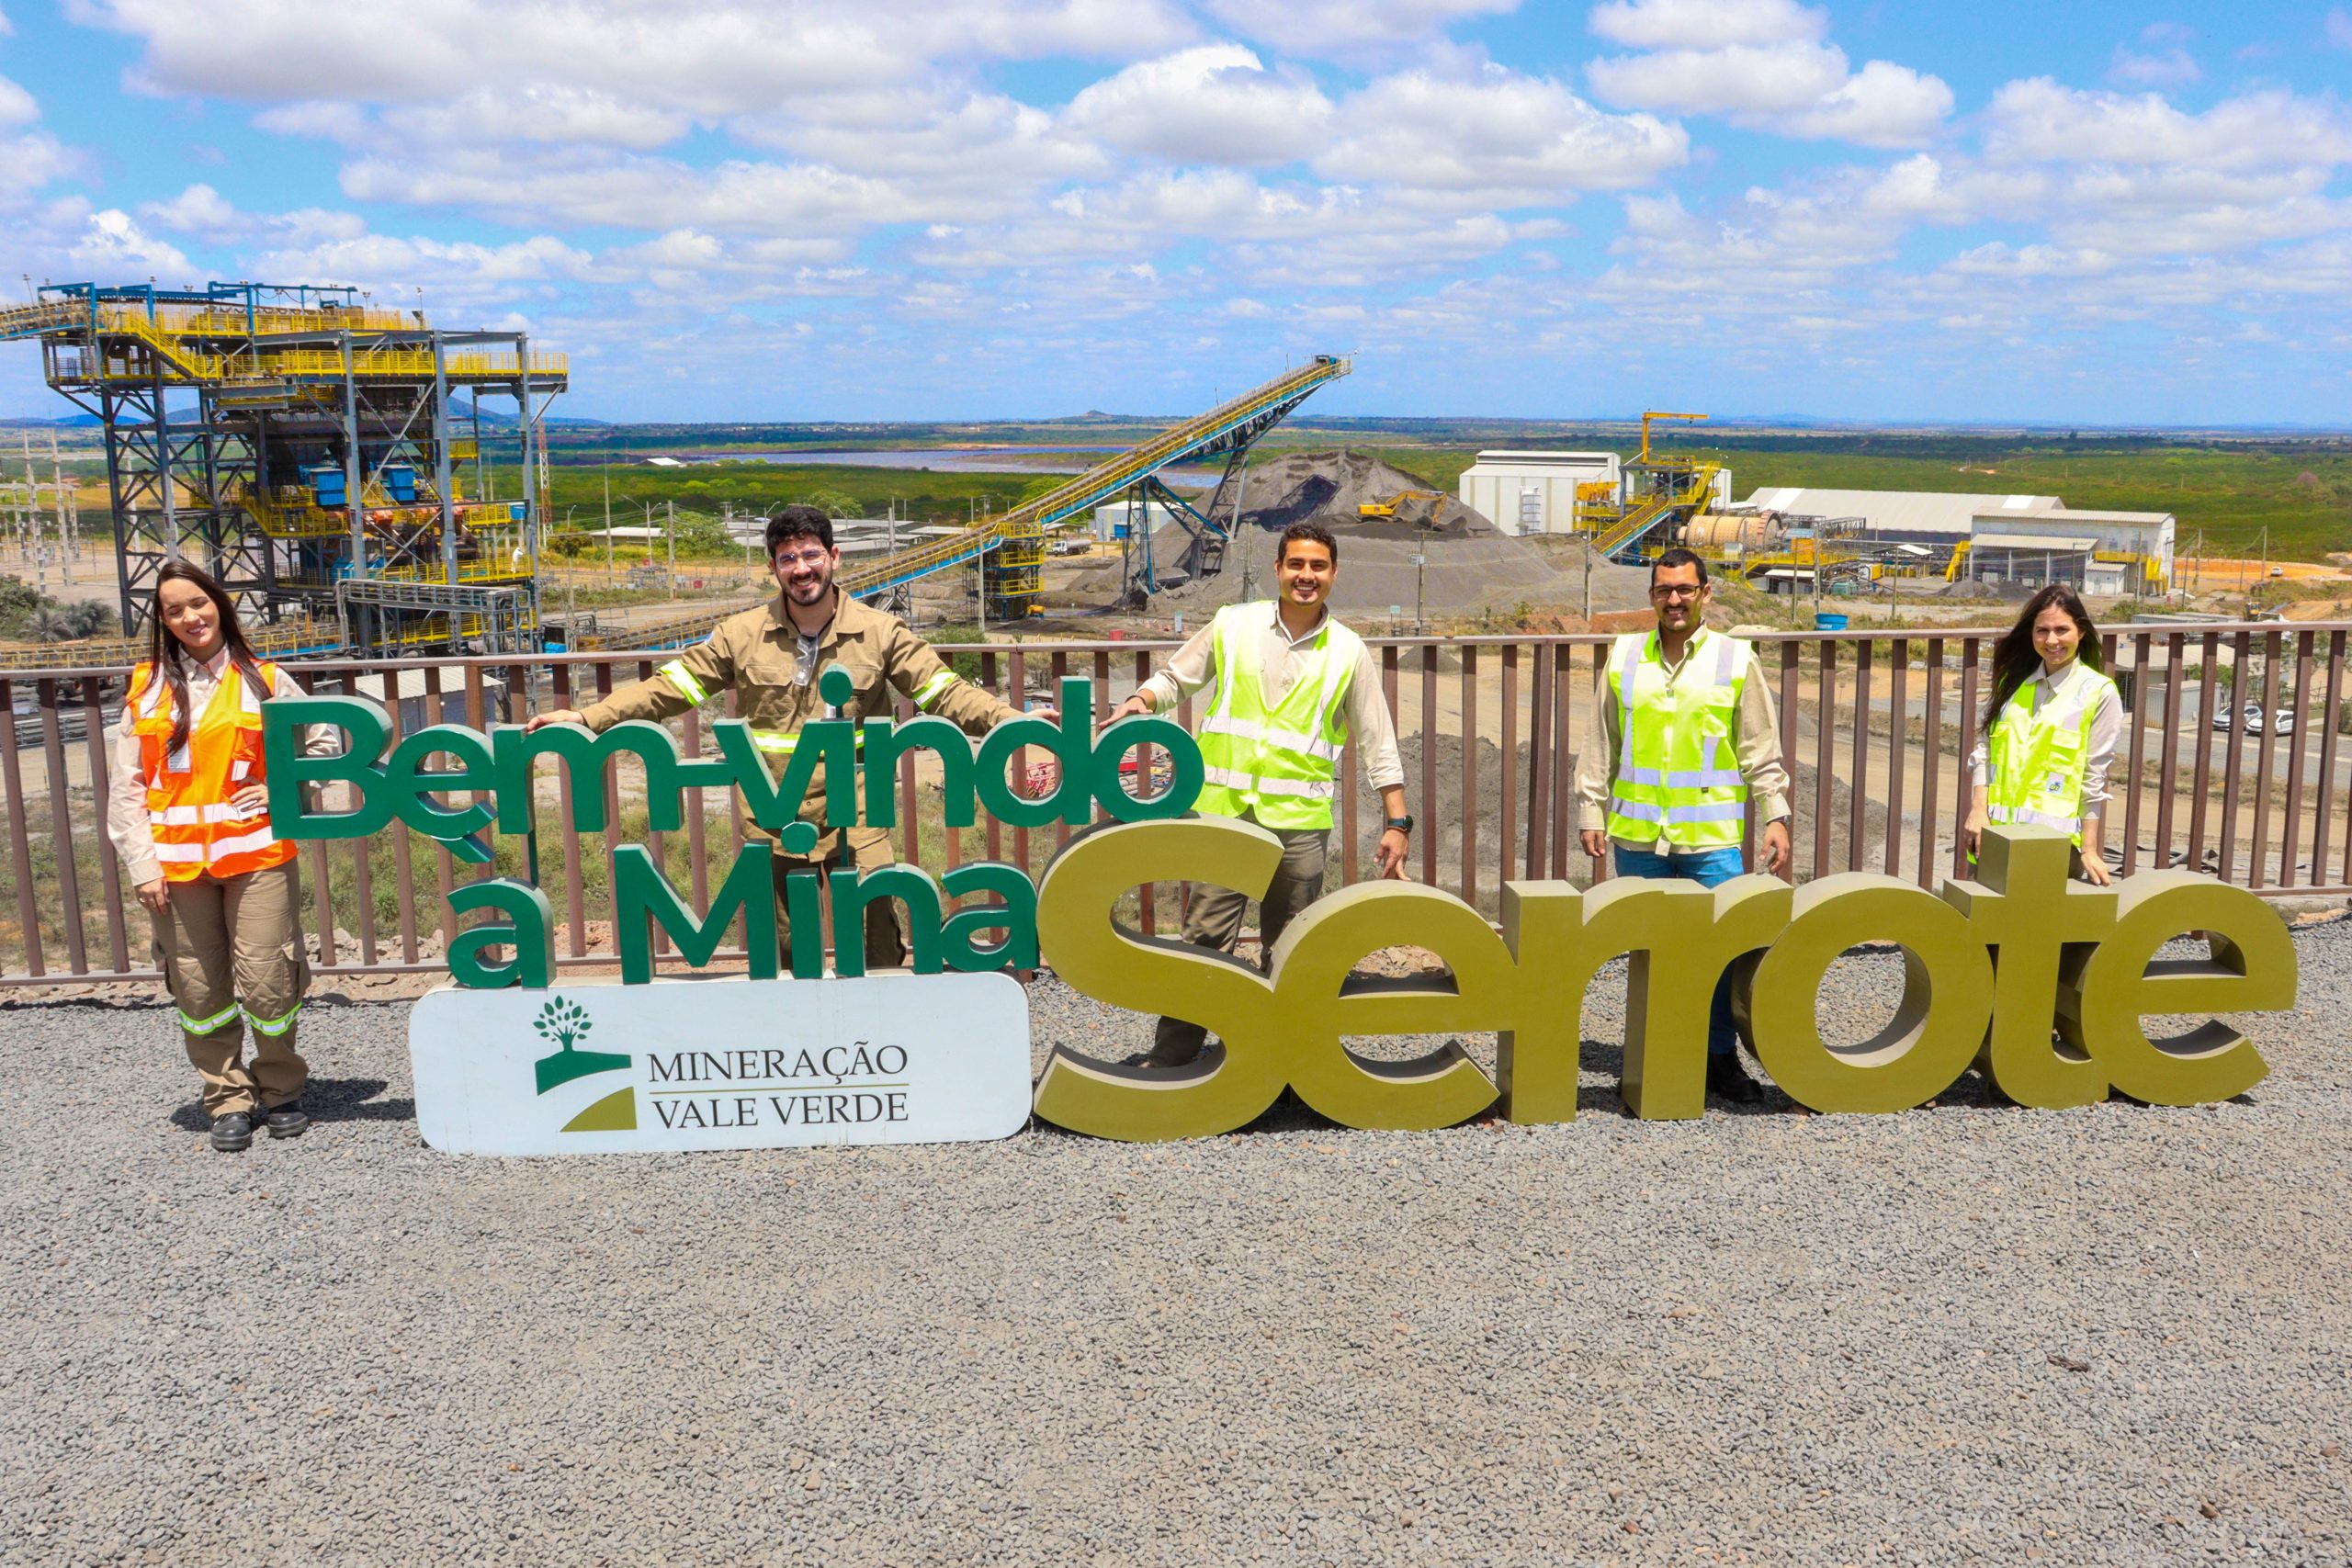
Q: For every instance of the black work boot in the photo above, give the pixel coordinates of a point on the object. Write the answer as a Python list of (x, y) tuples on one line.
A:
[(233, 1132), (1725, 1077), (287, 1121)]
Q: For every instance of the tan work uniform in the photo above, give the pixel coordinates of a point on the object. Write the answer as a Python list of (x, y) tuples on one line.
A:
[(757, 655), (222, 941), (1214, 917)]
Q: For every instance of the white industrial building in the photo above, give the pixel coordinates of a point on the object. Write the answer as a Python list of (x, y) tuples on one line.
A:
[(2010, 538), (1112, 520), (1534, 493)]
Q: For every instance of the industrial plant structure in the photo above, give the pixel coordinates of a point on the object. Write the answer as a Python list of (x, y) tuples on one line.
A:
[(1795, 540), (306, 447), (1983, 538), (1009, 548)]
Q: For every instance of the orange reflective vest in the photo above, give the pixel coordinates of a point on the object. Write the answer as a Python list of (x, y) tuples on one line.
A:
[(196, 829)]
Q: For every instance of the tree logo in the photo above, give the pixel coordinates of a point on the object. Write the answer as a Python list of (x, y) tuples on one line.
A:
[(563, 1024)]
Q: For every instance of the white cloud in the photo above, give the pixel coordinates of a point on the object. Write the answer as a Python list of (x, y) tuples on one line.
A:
[(965, 152), (541, 112), (113, 244), (462, 273), (709, 57), (17, 106), (31, 161), (1511, 140), (1322, 29), (1999, 259), (1707, 24), (1754, 79), (2164, 63), (202, 212), (1763, 66), (2041, 119), (736, 197), (1216, 104), (1883, 105), (346, 123)]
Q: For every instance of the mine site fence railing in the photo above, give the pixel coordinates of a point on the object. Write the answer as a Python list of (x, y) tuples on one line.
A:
[(1875, 731)]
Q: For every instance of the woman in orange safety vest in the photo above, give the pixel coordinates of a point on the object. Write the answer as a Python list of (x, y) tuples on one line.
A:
[(188, 814)]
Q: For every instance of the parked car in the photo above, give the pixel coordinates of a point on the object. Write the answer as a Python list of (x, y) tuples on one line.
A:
[(2283, 722), (2221, 718), (2253, 718)]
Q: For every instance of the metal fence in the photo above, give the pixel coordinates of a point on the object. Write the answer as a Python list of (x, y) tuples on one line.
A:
[(1875, 731)]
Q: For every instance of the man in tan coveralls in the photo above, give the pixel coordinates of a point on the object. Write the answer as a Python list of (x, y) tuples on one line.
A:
[(770, 657)]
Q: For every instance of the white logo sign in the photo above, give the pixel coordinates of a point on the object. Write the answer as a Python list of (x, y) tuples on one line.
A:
[(600, 1068)]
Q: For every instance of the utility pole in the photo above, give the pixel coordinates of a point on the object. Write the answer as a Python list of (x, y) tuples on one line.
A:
[(1420, 573), (1248, 556), (670, 532), (608, 517), (32, 521), (64, 524)]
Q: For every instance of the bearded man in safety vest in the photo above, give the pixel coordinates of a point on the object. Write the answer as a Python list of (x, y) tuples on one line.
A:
[(770, 657), (1685, 739), (1289, 685)]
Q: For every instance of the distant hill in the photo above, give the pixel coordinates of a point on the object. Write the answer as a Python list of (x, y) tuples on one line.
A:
[(461, 409)]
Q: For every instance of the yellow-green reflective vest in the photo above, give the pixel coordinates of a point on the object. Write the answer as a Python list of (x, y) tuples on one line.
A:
[(1278, 762), (1678, 777), (2038, 752)]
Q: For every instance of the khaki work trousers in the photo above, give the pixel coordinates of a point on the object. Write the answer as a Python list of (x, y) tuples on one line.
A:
[(231, 954), (1214, 920), (886, 944)]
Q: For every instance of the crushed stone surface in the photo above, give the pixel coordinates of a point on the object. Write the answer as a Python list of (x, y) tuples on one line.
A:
[(1966, 1334)]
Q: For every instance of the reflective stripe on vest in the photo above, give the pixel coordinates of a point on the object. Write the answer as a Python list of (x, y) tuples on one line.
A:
[(195, 829), (1678, 777), (679, 676), (1276, 761), (786, 741), (2038, 756), (931, 691)]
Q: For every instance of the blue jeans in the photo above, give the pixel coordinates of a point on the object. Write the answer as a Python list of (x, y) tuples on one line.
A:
[(1708, 868)]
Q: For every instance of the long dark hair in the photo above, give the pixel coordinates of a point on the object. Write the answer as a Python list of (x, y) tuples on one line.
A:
[(170, 659), (2015, 658)]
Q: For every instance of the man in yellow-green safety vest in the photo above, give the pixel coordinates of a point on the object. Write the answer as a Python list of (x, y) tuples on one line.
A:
[(1684, 748), (1288, 686), (770, 658)]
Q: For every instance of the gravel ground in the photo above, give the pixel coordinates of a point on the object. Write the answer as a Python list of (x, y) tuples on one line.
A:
[(1966, 1334)]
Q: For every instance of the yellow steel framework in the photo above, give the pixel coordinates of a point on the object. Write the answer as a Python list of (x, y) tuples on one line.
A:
[(321, 456), (1625, 519), (1012, 546)]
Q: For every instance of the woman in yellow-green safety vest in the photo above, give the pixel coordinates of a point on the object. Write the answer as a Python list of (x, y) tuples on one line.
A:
[(2049, 731)]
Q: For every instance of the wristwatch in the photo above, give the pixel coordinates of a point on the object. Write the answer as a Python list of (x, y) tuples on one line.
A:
[(1402, 824)]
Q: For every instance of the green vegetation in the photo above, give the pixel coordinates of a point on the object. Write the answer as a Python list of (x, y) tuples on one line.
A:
[(2301, 490), (576, 502), (28, 615)]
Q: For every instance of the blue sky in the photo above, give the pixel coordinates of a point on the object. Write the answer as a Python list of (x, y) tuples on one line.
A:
[(877, 209)]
